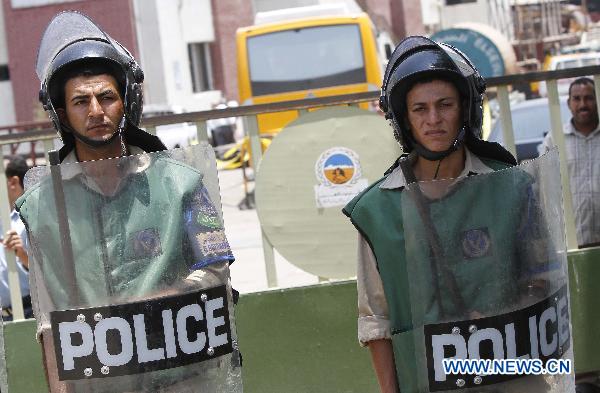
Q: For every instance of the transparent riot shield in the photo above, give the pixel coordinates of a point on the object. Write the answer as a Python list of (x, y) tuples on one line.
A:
[(130, 274), (487, 271)]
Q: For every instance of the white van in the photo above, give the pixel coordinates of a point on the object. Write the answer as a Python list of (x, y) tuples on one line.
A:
[(562, 62)]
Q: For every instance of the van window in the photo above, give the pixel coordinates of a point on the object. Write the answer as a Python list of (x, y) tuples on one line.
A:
[(531, 122), (591, 62)]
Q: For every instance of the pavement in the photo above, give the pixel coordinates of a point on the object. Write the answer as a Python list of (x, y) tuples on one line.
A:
[(243, 231)]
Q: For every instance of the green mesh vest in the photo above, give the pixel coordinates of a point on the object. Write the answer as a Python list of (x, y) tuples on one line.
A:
[(491, 202)]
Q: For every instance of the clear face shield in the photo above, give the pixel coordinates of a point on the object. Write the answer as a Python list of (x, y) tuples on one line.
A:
[(130, 274)]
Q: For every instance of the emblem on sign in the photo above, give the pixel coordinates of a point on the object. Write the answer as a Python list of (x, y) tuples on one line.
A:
[(339, 173)]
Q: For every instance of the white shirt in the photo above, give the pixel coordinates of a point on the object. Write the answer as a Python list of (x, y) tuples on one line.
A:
[(583, 161), (19, 227)]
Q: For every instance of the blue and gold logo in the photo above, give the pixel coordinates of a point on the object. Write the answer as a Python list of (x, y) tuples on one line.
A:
[(338, 166)]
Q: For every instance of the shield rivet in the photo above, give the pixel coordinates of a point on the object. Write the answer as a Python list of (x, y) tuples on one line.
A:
[(105, 370), (204, 297), (472, 329), (87, 372), (456, 331), (460, 383), (97, 317), (477, 380), (210, 351), (81, 318)]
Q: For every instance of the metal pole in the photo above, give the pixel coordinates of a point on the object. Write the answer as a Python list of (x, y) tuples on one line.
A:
[(201, 131), (507, 129), (48, 146), (559, 140), (16, 299), (251, 126), (68, 266)]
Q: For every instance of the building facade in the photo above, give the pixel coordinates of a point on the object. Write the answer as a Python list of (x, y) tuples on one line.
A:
[(186, 49)]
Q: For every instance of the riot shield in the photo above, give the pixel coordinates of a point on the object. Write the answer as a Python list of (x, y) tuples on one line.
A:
[(130, 274), (486, 261)]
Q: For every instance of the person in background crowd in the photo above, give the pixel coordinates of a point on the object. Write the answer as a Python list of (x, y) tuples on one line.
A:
[(15, 240), (582, 141)]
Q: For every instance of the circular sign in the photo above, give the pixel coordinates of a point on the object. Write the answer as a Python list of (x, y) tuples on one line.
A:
[(314, 166)]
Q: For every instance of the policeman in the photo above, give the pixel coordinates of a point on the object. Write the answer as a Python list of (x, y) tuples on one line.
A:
[(432, 95), (139, 226)]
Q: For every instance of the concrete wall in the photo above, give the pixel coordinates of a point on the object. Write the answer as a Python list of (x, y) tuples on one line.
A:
[(397, 18), (228, 16), (271, 5), (468, 12), (164, 30), (24, 29), (7, 114), (308, 347)]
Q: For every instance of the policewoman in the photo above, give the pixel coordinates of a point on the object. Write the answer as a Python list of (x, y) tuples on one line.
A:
[(432, 95)]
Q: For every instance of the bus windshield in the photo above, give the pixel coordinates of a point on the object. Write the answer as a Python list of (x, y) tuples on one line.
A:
[(306, 58)]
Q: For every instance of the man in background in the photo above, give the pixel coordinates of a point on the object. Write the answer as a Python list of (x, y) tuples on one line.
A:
[(15, 240), (582, 142)]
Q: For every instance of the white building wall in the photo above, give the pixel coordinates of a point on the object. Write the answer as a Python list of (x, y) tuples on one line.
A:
[(164, 29), (430, 10), (36, 3), (468, 12), (271, 5), (7, 103)]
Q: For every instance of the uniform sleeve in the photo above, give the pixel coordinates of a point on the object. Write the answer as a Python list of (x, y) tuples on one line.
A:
[(373, 317), (204, 231)]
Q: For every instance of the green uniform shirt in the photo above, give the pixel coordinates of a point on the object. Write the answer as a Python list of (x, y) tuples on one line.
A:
[(159, 225), (493, 210)]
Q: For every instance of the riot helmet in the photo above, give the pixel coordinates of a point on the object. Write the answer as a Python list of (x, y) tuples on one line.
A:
[(418, 59), (71, 42)]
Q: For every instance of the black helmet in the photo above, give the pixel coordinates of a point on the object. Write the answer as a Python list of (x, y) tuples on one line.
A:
[(73, 40), (415, 59)]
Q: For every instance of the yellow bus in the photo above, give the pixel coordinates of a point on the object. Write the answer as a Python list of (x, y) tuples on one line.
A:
[(307, 57)]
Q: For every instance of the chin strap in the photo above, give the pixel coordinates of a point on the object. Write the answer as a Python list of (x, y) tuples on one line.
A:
[(100, 143), (438, 155)]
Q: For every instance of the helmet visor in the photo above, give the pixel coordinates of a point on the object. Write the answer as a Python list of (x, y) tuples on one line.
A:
[(65, 29)]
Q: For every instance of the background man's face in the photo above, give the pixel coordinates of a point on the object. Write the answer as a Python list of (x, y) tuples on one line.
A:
[(582, 103), (434, 115), (93, 106)]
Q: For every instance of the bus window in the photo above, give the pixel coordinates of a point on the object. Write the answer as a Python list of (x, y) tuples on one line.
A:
[(306, 59)]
